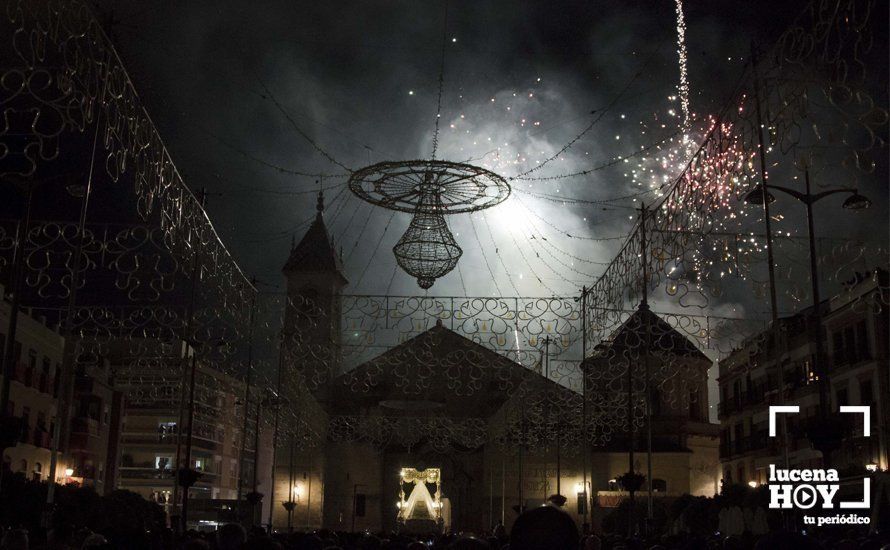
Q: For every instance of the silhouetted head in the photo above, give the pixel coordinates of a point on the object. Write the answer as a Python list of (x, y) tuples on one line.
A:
[(544, 528), (230, 536)]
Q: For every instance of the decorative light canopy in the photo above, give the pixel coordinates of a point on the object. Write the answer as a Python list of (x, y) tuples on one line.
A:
[(429, 189)]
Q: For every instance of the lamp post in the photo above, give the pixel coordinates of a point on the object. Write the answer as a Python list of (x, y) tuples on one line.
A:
[(825, 436), (355, 487), (255, 497), (293, 490), (246, 402)]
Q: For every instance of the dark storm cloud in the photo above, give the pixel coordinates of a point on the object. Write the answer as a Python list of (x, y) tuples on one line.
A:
[(344, 70)]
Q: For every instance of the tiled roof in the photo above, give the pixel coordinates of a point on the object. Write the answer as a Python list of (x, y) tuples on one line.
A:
[(663, 337)]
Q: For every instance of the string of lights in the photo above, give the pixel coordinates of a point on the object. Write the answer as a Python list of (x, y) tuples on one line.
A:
[(441, 81), (253, 158), (296, 127), (620, 159), (361, 233), (599, 116), (358, 283), (485, 256), (536, 245), (497, 254)]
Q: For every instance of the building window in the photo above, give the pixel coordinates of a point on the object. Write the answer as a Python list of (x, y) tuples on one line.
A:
[(809, 373), (360, 505), (866, 395), (694, 405), (837, 344), (659, 485), (23, 467), (841, 397), (26, 418), (851, 344), (862, 341), (44, 375), (166, 431), (56, 378), (32, 366), (164, 462)]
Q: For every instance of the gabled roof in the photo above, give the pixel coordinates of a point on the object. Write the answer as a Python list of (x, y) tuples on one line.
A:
[(437, 373), (663, 339), (315, 253)]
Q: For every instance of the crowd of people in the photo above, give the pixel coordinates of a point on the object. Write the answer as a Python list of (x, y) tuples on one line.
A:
[(543, 528)]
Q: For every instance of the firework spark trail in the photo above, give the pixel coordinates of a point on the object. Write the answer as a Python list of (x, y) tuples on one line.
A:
[(683, 88)]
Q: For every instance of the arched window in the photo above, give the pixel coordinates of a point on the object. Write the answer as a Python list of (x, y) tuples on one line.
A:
[(659, 486), (38, 467), (23, 467)]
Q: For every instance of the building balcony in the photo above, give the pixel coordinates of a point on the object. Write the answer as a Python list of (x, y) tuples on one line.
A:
[(41, 438), (154, 440), (754, 443), (85, 425), (145, 472), (754, 397), (45, 384), (148, 438), (22, 373), (85, 472)]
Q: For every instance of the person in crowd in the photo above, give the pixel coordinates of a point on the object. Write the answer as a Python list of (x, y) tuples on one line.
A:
[(544, 528), (15, 539), (230, 536)]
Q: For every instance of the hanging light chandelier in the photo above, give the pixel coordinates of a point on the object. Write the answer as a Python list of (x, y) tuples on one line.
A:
[(430, 190)]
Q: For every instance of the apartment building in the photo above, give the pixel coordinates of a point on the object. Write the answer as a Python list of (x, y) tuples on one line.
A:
[(32, 392), (95, 425), (33, 398), (154, 407), (854, 337)]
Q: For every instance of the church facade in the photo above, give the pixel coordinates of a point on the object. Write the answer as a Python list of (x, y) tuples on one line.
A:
[(497, 434)]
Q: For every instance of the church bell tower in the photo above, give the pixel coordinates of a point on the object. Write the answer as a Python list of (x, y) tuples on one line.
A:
[(312, 324)]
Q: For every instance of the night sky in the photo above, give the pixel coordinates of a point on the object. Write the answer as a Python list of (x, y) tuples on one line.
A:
[(360, 79)]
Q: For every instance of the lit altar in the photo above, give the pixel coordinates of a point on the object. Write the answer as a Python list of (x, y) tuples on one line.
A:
[(421, 511)]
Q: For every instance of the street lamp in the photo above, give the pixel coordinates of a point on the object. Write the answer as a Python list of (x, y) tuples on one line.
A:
[(296, 491), (825, 436)]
